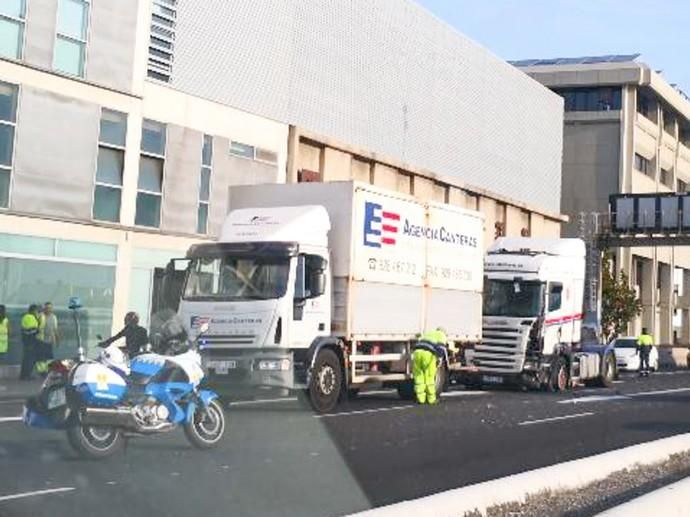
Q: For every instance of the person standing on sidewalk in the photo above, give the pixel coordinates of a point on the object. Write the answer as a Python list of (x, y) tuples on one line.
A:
[(48, 333), (30, 342), (4, 332), (644, 348)]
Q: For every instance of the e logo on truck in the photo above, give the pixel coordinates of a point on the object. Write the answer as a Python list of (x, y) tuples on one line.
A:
[(380, 227)]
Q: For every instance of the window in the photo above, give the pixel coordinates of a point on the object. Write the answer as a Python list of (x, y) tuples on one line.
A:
[(590, 99), (555, 297), (150, 183), (12, 20), (681, 186), (162, 39), (643, 104), (70, 43), (669, 123), (8, 122), (204, 185), (243, 150), (107, 195), (666, 177), (264, 155), (642, 164)]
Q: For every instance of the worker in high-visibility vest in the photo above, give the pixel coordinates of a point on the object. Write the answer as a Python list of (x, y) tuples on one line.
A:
[(4, 331), (48, 335), (427, 350), (30, 342), (644, 348)]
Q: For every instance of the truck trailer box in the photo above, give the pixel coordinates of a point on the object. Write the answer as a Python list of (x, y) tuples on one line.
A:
[(399, 265)]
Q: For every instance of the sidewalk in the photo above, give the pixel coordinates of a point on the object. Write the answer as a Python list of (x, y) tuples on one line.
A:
[(668, 501), (14, 389)]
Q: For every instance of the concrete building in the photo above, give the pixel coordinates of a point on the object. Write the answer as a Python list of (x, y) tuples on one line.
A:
[(626, 130), (123, 125)]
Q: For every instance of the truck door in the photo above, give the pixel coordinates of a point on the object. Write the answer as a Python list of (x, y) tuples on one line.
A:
[(555, 317), (311, 304), (167, 286)]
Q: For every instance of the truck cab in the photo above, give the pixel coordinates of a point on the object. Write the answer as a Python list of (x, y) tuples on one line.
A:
[(264, 290), (533, 312)]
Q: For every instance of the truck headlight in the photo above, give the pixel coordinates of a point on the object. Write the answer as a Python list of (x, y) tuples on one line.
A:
[(281, 365)]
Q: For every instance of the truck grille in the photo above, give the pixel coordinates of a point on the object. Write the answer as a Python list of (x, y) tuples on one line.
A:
[(229, 340), (502, 349)]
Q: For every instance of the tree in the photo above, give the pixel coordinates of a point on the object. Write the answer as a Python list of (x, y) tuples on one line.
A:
[(619, 305)]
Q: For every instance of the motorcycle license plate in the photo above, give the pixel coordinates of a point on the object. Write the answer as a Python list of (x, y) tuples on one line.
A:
[(492, 379), (222, 367), (57, 398)]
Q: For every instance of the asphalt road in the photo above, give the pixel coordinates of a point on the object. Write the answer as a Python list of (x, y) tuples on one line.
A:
[(279, 459)]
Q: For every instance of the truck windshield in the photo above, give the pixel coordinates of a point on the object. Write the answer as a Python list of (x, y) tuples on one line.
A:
[(512, 299), (237, 278)]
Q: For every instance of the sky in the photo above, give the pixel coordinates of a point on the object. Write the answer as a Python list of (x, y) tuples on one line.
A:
[(522, 29)]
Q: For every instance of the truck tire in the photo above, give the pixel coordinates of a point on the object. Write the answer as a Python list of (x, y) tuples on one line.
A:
[(406, 390), (558, 380), (326, 382), (608, 371)]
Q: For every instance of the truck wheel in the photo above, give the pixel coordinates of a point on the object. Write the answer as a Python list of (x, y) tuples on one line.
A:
[(441, 379), (326, 382), (559, 376), (608, 372), (406, 390)]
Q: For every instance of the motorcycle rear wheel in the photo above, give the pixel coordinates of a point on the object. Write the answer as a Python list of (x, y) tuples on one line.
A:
[(94, 442), (207, 426)]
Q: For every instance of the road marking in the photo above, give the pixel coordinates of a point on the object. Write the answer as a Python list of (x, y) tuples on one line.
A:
[(364, 411), (262, 401), (594, 398), (555, 419), (10, 419), (462, 393), (36, 493), (659, 392)]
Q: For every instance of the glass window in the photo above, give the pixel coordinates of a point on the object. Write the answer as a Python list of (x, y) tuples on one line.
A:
[(6, 144), (513, 299), (86, 250), (106, 203), (13, 8), (27, 245), (4, 188), (202, 218), (555, 295), (8, 102), (148, 210), (113, 127), (265, 155), (591, 99), (207, 151), (69, 56), (11, 36), (153, 137), (25, 281), (150, 174), (110, 166), (72, 18), (240, 149), (205, 187)]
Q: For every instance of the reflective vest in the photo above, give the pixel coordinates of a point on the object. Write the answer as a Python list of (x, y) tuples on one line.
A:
[(645, 340), (4, 335), (29, 324), (435, 337)]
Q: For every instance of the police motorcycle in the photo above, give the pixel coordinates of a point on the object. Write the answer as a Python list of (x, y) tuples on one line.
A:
[(100, 403)]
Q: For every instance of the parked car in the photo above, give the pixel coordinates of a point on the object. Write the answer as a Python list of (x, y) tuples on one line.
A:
[(627, 357)]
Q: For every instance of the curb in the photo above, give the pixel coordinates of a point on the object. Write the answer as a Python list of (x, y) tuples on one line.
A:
[(568, 475), (672, 500)]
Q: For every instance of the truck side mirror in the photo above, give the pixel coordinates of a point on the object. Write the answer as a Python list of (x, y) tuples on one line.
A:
[(317, 284)]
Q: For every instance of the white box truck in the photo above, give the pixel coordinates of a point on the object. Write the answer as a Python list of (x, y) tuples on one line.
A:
[(541, 316), (322, 287)]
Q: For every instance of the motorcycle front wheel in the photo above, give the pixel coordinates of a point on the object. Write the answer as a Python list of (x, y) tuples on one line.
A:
[(207, 426), (94, 442)]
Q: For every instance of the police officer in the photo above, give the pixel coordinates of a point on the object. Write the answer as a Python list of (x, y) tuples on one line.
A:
[(644, 348), (4, 332), (426, 353), (30, 343)]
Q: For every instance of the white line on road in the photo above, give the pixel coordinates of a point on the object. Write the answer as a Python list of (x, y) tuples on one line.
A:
[(659, 392), (594, 398), (262, 401), (554, 419), (447, 394), (36, 493), (10, 419), (364, 411)]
